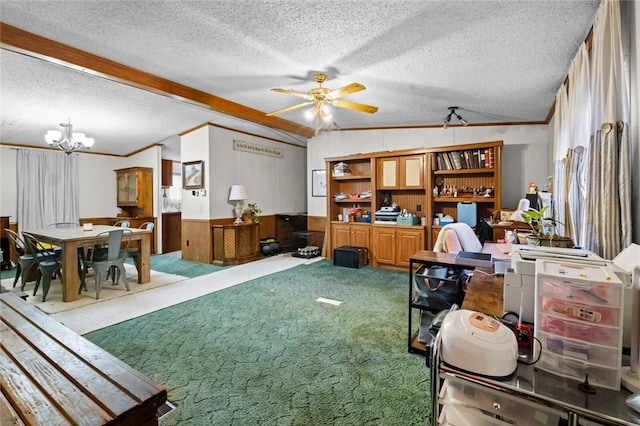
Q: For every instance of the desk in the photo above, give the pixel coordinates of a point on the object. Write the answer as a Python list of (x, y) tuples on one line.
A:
[(52, 376), (69, 239)]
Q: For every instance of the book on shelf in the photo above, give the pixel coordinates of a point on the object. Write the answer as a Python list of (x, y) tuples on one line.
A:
[(447, 160), (490, 163), (456, 160)]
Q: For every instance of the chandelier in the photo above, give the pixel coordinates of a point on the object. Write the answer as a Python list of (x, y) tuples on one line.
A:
[(67, 140), (447, 119)]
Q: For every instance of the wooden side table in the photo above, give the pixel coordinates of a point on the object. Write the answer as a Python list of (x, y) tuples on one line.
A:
[(235, 244)]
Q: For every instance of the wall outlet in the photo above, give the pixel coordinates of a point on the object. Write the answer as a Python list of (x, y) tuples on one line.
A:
[(419, 207)]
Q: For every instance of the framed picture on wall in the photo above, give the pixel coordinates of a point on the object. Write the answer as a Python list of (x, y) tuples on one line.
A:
[(319, 183), (193, 175)]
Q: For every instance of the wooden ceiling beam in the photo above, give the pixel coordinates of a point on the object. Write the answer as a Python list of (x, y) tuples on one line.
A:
[(26, 43)]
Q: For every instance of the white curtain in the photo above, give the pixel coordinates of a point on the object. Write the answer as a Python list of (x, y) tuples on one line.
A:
[(608, 225), (592, 158), (47, 188), (561, 130)]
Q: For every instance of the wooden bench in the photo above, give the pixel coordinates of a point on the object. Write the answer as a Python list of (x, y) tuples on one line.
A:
[(50, 375)]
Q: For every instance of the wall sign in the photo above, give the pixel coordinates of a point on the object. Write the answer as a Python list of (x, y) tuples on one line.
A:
[(254, 148)]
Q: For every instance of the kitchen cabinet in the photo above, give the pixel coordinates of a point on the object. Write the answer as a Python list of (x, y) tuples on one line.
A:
[(394, 245), (134, 191), (171, 232), (351, 234), (403, 172), (167, 173)]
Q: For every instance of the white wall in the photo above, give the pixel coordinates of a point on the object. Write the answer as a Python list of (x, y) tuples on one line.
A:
[(8, 183), (277, 185), (96, 186), (194, 146), (525, 154)]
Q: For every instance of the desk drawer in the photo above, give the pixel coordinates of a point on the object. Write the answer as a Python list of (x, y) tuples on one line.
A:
[(467, 400)]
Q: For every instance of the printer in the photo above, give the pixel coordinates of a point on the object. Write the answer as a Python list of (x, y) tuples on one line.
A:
[(520, 279), (387, 215)]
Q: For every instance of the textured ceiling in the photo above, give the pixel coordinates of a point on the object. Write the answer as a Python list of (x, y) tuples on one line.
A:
[(499, 61)]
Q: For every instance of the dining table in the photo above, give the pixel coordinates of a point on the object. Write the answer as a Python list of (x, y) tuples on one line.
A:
[(70, 239)]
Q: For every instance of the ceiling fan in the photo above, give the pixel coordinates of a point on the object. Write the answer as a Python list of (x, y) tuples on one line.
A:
[(320, 97)]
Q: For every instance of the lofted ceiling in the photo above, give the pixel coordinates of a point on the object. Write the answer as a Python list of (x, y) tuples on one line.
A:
[(216, 61)]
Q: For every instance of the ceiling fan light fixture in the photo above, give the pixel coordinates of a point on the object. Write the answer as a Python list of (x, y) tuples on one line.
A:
[(310, 113)]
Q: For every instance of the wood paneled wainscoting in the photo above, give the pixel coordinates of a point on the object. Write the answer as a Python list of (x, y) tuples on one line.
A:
[(196, 240)]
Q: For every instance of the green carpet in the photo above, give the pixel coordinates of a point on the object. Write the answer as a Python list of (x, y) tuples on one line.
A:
[(172, 263), (266, 353)]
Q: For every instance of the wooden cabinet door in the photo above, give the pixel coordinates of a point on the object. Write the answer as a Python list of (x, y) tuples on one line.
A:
[(387, 172), (121, 188), (384, 246), (340, 235), (412, 172), (360, 236), (167, 173), (132, 188), (409, 241)]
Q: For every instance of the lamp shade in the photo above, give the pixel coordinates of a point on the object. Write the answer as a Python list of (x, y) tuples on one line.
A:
[(237, 193)]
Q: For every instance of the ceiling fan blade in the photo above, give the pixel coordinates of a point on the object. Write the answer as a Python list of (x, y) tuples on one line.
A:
[(294, 93), (346, 90), (355, 106), (291, 108)]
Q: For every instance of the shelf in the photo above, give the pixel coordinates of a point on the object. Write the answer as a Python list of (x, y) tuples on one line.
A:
[(352, 177), (416, 346), (464, 171), (464, 199), (353, 200)]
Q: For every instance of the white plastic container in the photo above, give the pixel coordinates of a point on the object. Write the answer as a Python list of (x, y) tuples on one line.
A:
[(578, 321)]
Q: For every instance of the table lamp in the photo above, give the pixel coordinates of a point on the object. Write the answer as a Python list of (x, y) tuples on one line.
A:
[(238, 194)]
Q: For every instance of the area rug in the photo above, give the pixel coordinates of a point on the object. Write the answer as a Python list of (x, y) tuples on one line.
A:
[(54, 303), (268, 352), (84, 319)]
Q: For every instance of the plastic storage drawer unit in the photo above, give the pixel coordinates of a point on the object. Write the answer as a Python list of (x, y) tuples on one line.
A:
[(578, 321)]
